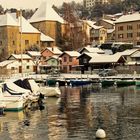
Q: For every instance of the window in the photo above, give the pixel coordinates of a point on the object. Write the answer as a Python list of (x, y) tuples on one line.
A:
[(0, 42), (13, 42), (120, 35), (27, 67), (12, 68), (84, 60), (129, 35), (26, 42), (65, 59), (138, 26), (120, 28), (70, 67), (129, 27), (70, 59), (138, 34)]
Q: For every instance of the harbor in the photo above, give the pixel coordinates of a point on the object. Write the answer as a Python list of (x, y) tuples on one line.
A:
[(90, 107)]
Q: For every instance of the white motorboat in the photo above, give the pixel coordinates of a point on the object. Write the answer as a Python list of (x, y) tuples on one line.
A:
[(50, 91), (45, 90), (13, 97)]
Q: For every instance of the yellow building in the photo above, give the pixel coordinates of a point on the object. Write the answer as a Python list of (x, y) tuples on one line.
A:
[(16, 35), (46, 20), (127, 28), (95, 35)]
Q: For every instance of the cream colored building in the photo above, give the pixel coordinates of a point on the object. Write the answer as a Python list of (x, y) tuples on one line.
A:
[(127, 28), (91, 3)]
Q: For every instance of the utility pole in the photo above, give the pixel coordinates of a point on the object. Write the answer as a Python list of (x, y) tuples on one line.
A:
[(20, 12)]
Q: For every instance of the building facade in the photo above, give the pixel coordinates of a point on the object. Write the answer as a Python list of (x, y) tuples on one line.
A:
[(127, 29), (91, 3), (46, 20), (12, 40)]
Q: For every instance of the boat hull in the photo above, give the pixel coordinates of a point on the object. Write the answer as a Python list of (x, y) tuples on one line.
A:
[(105, 83), (79, 82), (125, 83), (13, 104)]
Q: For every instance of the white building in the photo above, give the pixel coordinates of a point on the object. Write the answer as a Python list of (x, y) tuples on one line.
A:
[(91, 3), (17, 64)]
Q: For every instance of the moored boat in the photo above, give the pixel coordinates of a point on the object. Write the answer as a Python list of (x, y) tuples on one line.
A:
[(137, 83), (120, 83), (105, 82), (12, 98), (80, 82)]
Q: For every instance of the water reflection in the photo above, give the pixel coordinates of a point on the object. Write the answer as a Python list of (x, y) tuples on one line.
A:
[(77, 115)]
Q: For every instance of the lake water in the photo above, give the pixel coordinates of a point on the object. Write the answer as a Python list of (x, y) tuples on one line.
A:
[(77, 115)]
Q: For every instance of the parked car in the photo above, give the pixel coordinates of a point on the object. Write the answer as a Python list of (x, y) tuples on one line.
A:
[(107, 72)]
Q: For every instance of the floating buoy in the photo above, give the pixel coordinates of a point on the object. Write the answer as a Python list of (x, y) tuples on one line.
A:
[(100, 133)]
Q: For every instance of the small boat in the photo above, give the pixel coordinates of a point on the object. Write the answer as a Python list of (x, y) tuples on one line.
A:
[(13, 97), (137, 83), (120, 83), (50, 91), (105, 82), (36, 90), (80, 82)]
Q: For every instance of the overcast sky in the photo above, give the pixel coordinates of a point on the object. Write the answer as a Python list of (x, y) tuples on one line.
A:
[(31, 3)]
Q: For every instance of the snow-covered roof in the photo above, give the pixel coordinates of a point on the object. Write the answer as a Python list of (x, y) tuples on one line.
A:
[(46, 38), (10, 19), (136, 54), (129, 18), (92, 49), (105, 58), (109, 21), (127, 52), (88, 54), (6, 62), (109, 31), (45, 12), (26, 26), (72, 53), (92, 24), (34, 53), (19, 56), (55, 50), (7, 20)]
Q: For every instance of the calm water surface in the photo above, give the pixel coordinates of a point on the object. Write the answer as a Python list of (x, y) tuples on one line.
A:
[(77, 115)]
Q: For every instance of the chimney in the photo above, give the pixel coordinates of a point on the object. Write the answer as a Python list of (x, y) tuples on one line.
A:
[(18, 13)]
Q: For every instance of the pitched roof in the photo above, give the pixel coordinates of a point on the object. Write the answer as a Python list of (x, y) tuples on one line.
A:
[(7, 20), (46, 38), (136, 54), (18, 56), (71, 53), (45, 12), (128, 18), (105, 58), (109, 21), (34, 53), (88, 54), (55, 50), (6, 62), (26, 26), (92, 49), (127, 52), (110, 31)]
